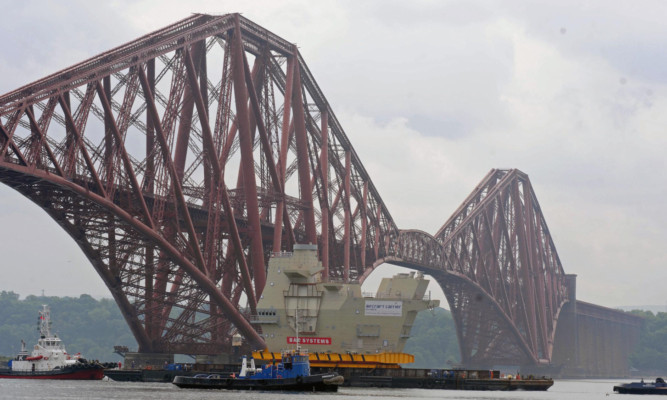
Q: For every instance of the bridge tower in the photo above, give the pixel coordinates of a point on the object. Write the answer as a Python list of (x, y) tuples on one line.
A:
[(179, 161)]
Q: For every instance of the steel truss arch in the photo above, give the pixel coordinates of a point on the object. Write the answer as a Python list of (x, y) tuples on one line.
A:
[(498, 267), (499, 239), (179, 161)]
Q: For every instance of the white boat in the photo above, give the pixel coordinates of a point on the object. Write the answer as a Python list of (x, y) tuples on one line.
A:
[(49, 358)]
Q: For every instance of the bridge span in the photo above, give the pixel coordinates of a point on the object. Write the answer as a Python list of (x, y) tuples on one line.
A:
[(179, 161)]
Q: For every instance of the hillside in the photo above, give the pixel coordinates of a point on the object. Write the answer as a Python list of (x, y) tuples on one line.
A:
[(92, 327)]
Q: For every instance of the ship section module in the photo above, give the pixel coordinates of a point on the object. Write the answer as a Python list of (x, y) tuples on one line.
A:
[(336, 317)]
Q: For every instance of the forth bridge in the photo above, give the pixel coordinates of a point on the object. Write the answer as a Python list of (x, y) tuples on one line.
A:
[(181, 160)]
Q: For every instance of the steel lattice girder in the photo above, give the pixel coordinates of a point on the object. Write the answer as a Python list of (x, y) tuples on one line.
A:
[(499, 240), (180, 161), (178, 167), (498, 267)]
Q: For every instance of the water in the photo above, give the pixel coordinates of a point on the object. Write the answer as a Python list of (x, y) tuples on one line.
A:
[(106, 390)]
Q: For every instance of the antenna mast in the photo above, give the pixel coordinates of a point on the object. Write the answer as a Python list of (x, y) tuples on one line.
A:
[(296, 324)]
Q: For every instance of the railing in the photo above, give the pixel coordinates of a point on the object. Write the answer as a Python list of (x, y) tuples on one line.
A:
[(281, 254), (266, 316), (392, 296), (339, 280)]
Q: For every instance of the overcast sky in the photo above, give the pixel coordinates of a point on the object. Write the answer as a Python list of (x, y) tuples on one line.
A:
[(432, 94)]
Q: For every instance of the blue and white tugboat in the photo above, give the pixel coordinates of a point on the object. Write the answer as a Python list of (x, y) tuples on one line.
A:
[(657, 387), (292, 373)]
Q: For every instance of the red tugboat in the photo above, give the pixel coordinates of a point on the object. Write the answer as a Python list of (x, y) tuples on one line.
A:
[(49, 359)]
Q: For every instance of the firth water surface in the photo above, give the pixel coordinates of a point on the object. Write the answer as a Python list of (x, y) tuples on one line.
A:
[(107, 390)]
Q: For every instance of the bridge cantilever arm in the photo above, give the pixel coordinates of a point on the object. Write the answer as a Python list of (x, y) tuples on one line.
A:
[(48, 149), (126, 161), (176, 184), (79, 139), (209, 147)]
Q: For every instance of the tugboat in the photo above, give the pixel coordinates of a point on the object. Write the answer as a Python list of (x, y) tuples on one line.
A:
[(49, 359), (657, 387), (292, 373)]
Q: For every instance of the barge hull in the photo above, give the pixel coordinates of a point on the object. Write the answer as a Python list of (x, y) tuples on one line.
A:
[(313, 383), (403, 378), (82, 374), (437, 379), (464, 384)]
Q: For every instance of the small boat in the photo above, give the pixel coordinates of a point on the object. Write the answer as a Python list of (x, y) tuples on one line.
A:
[(292, 373), (49, 359), (657, 387)]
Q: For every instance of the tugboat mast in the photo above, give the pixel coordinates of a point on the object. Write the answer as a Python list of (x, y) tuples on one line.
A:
[(44, 323)]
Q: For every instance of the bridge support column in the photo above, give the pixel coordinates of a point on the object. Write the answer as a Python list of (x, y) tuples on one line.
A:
[(566, 341), (593, 341)]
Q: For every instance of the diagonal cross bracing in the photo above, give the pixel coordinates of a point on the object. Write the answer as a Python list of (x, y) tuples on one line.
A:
[(181, 160), (146, 155), (498, 267)]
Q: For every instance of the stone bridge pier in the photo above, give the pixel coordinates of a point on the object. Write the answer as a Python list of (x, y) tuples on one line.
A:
[(594, 341)]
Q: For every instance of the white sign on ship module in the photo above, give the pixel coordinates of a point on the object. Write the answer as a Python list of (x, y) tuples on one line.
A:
[(383, 308)]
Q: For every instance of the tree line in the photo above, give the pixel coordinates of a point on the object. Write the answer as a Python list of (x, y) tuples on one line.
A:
[(650, 354), (433, 340), (93, 327)]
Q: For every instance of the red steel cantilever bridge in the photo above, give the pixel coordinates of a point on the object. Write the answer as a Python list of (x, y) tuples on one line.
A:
[(180, 161)]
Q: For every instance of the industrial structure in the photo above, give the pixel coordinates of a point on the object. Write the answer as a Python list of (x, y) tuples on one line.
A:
[(336, 317), (180, 161)]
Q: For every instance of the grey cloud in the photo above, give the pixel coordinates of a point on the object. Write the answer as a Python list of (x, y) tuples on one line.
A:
[(43, 37), (445, 126), (434, 94), (628, 35)]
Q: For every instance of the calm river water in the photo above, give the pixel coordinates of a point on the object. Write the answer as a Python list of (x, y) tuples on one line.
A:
[(105, 390)]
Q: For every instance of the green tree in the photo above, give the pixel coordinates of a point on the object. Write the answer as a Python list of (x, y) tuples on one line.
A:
[(433, 340), (651, 353)]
